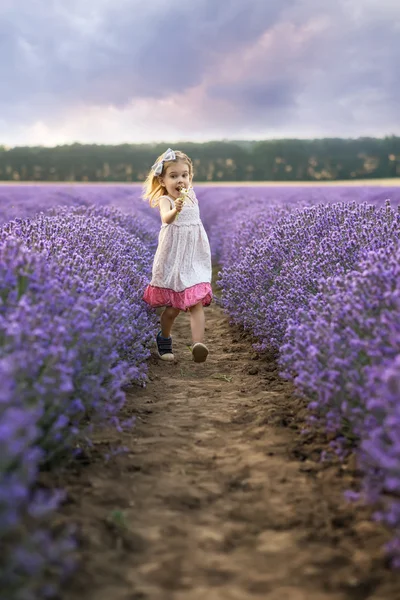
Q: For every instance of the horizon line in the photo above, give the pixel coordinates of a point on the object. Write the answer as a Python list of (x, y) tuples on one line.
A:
[(6, 147)]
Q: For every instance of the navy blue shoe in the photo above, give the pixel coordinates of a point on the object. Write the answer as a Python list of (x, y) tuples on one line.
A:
[(164, 347)]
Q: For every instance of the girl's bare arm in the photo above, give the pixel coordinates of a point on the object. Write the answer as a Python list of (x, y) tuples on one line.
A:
[(168, 214)]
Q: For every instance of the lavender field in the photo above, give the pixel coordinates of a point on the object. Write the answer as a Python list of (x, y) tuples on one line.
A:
[(312, 273)]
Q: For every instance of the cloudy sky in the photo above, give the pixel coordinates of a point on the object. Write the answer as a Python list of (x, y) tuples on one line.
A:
[(112, 71)]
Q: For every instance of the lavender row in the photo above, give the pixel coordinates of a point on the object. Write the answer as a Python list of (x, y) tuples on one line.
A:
[(320, 286), (21, 201), (343, 353), (73, 331), (216, 201)]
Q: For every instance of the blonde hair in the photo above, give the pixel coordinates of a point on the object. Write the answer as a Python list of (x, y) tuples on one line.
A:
[(152, 188)]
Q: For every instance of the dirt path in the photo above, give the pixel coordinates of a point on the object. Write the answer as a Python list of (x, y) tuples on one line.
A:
[(219, 498)]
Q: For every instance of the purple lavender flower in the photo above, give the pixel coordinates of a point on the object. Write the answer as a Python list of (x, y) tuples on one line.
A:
[(73, 331)]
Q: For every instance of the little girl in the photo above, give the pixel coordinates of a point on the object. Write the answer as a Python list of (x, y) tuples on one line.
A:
[(181, 278)]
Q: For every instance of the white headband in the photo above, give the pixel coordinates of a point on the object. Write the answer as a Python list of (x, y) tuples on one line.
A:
[(158, 166)]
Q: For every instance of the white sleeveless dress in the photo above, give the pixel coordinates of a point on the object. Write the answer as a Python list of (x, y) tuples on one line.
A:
[(181, 274)]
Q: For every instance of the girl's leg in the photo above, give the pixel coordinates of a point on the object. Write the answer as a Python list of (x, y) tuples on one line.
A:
[(197, 322), (167, 319)]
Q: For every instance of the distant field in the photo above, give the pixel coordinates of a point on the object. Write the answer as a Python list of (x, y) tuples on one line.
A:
[(346, 183)]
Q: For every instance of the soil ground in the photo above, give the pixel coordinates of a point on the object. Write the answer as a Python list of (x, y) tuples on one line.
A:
[(220, 496)]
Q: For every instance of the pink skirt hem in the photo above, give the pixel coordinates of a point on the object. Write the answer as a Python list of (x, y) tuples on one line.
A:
[(157, 296)]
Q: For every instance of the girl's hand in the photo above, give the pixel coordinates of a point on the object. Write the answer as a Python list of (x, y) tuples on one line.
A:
[(179, 204)]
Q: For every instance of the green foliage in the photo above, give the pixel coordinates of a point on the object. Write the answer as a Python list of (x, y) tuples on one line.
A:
[(267, 160)]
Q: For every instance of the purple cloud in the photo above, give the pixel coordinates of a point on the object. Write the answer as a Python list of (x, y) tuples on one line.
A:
[(233, 66)]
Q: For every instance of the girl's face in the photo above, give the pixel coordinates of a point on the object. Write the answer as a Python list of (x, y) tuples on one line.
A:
[(176, 176)]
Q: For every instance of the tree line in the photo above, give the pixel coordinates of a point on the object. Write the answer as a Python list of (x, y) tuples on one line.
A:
[(218, 161)]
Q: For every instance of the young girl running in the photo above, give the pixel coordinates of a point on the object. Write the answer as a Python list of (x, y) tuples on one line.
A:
[(181, 278)]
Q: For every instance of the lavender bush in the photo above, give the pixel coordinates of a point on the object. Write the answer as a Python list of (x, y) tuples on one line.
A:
[(380, 450), (112, 264), (32, 558), (342, 353), (280, 271), (320, 285), (233, 216), (73, 331), (34, 423)]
